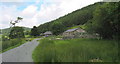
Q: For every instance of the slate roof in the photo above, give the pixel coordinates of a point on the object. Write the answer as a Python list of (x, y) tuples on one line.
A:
[(71, 30), (48, 32)]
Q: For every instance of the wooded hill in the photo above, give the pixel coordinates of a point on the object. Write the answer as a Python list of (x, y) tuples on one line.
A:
[(101, 18), (78, 17)]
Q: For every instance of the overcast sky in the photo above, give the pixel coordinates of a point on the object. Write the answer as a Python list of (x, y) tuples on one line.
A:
[(36, 12)]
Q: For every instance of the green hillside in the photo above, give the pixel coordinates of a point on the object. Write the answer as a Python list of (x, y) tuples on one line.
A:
[(101, 18), (78, 17), (6, 31)]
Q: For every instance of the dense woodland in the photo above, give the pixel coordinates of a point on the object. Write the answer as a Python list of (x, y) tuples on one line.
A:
[(101, 18)]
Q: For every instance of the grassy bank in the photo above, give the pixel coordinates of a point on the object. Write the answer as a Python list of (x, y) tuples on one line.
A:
[(76, 50), (10, 44)]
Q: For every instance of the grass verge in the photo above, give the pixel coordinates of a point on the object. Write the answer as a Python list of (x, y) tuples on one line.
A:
[(10, 44)]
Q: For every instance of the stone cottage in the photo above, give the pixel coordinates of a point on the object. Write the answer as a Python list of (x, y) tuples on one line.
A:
[(76, 32)]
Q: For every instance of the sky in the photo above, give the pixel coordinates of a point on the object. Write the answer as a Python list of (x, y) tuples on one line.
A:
[(36, 12)]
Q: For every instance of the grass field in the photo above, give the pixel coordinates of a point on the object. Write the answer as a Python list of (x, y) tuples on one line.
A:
[(76, 50)]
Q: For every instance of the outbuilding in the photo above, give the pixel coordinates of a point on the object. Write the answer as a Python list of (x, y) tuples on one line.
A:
[(48, 33)]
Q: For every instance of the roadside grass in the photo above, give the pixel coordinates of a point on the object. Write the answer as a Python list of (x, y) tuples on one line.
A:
[(0, 46), (10, 44), (76, 50), (13, 43)]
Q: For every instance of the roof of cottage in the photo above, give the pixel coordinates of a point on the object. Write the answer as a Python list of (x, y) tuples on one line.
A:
[(48, 32), (71, 30)]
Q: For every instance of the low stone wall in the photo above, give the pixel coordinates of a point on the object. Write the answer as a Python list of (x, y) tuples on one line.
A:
[(80, 35)]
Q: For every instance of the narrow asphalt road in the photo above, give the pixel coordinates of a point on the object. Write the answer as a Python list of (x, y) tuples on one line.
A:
[(22, 53)]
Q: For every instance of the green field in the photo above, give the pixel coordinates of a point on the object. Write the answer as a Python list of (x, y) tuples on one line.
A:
[(76, 50)]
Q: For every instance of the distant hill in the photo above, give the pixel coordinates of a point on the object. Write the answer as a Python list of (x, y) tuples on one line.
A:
[(7, 30), (27, 29)]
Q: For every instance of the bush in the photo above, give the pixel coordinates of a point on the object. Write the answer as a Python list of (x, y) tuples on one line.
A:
[(17, 32)]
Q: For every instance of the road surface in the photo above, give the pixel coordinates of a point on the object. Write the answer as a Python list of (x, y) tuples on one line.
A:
[(22, 53)]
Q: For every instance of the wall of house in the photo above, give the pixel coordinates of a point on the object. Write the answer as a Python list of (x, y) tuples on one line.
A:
[(78, 34)]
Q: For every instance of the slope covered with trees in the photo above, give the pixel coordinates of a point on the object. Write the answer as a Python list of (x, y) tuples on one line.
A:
[(101, 18), (78, 17)]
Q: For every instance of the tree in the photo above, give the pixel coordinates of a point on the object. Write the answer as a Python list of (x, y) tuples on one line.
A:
[(104, 20), (16, 21), (27, 32), (34, 31), (16, 32), (57, 28)]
